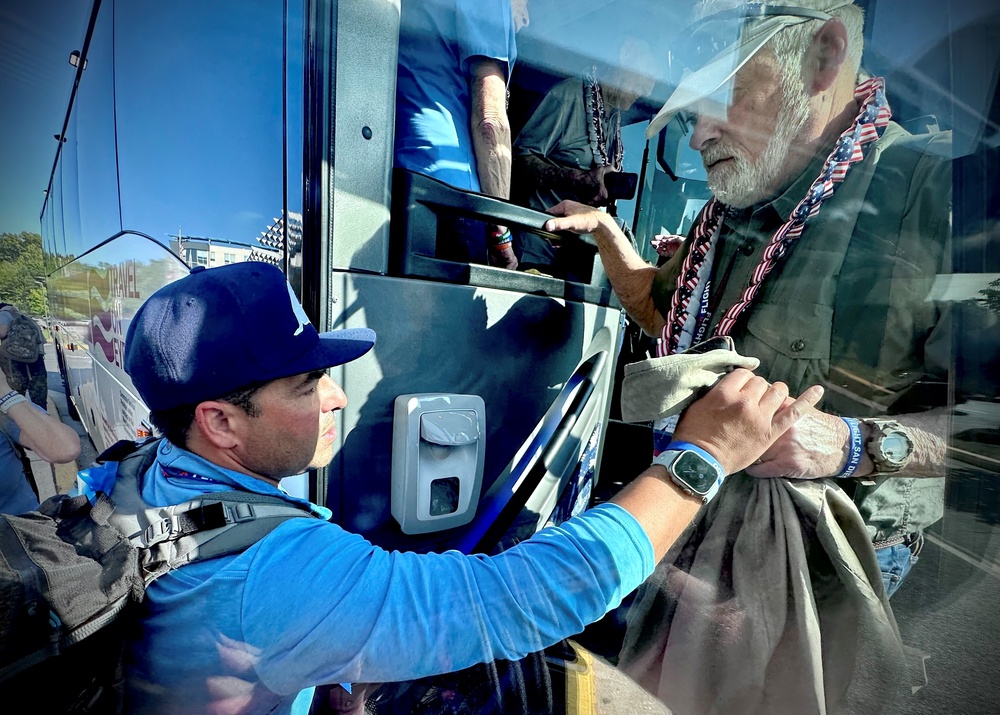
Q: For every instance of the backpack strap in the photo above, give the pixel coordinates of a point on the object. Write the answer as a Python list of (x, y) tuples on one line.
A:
[(217, 524)]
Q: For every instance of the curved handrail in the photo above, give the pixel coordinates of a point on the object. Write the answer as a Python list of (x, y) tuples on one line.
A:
[(504, 500)]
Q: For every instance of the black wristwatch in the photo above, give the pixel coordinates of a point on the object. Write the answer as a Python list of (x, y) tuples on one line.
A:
[(889, 445)]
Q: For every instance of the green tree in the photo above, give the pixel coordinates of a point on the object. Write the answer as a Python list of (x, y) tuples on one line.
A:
[(20, 266), (991, 296)]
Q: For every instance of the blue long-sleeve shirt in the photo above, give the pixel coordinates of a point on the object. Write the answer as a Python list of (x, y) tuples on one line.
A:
[(311, 603)]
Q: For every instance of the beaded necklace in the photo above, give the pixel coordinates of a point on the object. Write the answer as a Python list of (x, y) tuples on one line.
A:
[(605, 141), (851, 148)]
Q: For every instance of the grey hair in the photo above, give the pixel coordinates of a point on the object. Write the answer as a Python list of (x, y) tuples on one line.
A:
[(791, 44)]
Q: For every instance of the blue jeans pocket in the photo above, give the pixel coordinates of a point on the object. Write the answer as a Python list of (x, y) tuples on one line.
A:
[(895, 563)]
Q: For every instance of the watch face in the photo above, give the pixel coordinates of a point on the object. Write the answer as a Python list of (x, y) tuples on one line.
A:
[(692, 469), (895, 447)]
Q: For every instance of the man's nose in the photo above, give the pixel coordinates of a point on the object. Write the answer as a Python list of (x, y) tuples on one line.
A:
[(331, 396), (707, 130)]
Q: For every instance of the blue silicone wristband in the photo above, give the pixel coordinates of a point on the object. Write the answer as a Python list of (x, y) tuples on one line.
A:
[(677, 446), (855, 451)]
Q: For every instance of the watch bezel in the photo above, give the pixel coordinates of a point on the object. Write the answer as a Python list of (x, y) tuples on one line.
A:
[(880, 430), (669, 461)]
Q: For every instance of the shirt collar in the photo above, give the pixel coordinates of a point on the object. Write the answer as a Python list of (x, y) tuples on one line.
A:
[(177, 458)]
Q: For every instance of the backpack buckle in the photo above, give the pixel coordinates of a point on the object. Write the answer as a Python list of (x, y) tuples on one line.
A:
[(206, 517), (162, 530)]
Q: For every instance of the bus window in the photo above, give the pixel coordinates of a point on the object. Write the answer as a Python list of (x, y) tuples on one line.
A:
[(91, 146), (217, 71), (204, 134)]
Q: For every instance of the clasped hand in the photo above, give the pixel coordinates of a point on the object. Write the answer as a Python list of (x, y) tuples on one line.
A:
[(743, 417)]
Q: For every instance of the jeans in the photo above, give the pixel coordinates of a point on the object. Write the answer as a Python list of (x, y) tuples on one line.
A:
[(896, 561)]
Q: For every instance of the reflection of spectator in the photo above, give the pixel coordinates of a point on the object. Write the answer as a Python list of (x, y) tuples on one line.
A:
[(455, 59), (25, 426), (27, 377), (573, 139)]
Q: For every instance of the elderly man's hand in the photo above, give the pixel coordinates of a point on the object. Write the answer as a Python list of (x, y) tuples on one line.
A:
[(741, 417), (815, 447), (578, 218)]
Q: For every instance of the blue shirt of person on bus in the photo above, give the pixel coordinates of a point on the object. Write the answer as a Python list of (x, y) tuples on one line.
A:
[(438, 41)]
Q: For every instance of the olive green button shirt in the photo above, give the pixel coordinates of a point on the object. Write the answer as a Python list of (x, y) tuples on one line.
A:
[(848, 307)]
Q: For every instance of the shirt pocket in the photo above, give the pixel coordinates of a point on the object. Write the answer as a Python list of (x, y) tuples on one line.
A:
[(792, 341)]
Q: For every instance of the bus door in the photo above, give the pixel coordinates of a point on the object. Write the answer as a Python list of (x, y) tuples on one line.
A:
[(539, 352)]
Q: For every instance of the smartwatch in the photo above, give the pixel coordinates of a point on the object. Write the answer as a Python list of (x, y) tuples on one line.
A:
[(889, 446), (692, 469)]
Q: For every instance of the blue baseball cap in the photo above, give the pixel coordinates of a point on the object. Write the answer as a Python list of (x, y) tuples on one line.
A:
[(221, 329)]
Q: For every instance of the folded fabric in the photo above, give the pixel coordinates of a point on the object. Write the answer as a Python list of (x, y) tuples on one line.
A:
[(661, 387), (771, 604)]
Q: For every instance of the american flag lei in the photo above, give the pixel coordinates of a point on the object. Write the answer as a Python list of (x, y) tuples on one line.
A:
[(851, 148)]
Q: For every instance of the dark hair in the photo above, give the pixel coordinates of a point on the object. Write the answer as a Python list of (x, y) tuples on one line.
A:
[(175, 423)]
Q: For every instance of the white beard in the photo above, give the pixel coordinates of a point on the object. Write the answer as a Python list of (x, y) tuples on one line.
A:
[(743, 183)]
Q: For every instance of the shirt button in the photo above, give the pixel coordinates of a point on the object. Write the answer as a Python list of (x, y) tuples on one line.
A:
[(798, 346)]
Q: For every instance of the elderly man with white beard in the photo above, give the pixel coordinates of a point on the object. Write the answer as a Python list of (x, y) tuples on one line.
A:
[(816, 254)]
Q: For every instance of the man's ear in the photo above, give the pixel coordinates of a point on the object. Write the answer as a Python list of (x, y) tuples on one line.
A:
[(220, 423), (826, 56)]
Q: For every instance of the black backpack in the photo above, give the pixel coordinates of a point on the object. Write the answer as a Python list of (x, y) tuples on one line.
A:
[(72, 572), (24, 340)]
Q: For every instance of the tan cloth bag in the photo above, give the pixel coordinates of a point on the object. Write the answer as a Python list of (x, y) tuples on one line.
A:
[(772, 604)]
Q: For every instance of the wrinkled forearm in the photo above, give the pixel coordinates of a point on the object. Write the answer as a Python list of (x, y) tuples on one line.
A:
[(631, 277), (491, 138), (928, 430), (491, 129)]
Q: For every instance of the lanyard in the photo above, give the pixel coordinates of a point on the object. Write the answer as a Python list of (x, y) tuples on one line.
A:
[(851, 148), (174, 473)]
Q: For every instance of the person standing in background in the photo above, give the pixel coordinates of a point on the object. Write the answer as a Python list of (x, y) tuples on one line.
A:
[(24, 426), (23, 357), (455, 60)]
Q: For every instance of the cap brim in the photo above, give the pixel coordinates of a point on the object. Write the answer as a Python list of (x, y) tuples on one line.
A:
[(334, 348), (706, 81)]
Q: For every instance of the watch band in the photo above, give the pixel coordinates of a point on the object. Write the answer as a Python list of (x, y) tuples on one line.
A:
[(854, 451), (668, 457)]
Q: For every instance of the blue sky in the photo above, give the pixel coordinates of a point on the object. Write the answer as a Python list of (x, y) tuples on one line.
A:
[(36, 38), (196, 113)]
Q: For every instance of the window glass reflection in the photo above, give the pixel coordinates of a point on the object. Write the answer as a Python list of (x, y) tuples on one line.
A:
[(201, 154), (93, 119)]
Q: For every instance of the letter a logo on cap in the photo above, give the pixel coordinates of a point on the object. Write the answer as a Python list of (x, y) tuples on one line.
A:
[(300, 313)]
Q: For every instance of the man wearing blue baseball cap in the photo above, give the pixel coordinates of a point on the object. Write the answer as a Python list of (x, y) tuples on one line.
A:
[(311, 603)]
